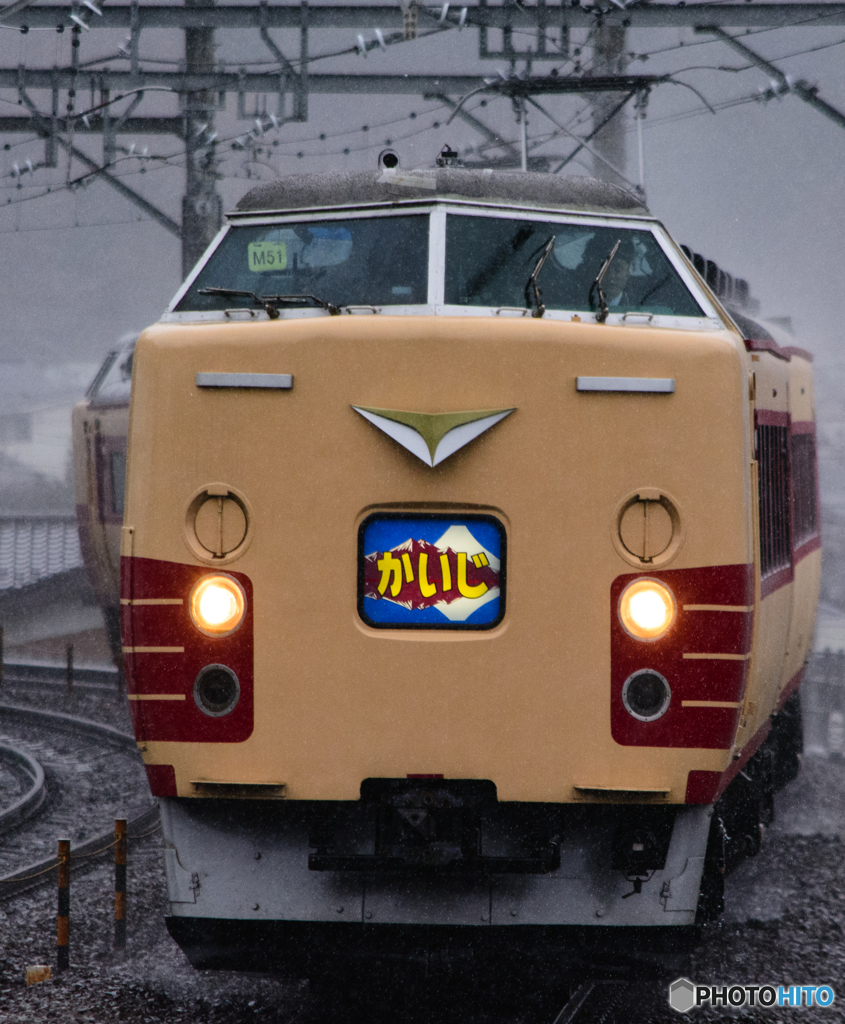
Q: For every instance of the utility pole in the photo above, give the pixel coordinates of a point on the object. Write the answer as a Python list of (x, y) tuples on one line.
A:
[(201, 83), (610, 58), (202, 209)]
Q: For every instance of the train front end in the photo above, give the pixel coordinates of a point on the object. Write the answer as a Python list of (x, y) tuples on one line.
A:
[(439, 575)]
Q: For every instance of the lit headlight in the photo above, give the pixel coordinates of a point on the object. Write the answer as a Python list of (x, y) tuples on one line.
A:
[(647, 609), (218, 605)]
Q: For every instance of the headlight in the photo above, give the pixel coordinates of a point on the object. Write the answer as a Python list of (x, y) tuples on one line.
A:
[(647, 609), (218, 605)]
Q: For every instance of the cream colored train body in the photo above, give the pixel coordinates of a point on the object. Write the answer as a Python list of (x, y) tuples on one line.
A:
[(427, 701)]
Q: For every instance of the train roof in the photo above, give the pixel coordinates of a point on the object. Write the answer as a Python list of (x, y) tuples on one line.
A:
[(517, 188)]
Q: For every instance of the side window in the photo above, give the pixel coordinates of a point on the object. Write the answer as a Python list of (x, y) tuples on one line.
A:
[(111, 478), (806, 521), (117, 468), (773, 469)]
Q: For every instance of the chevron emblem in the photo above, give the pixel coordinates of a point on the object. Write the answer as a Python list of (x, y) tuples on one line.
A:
[(433, 436)]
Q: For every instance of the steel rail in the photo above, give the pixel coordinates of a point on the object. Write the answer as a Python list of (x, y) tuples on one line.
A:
[(36, 672), (29, 802), (40, 872), (68, 723), (101, 844), (589, 1002)]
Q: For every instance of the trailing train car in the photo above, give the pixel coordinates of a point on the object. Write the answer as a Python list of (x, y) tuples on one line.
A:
[(470, 562), (100, 423)]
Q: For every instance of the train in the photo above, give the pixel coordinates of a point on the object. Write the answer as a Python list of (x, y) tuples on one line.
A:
[(470, 553), (99, 427)]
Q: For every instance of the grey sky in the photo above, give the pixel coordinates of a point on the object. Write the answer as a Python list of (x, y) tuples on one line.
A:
[(756, 187)]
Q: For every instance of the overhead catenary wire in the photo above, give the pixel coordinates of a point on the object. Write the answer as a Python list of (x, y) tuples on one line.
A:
[(298, 148)]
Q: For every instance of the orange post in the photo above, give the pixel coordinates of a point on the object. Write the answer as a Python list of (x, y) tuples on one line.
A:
[(120, 883), (63, 931)]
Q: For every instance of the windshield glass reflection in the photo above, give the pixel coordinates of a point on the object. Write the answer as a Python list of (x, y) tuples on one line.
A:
[(489, 260), (374, 261)]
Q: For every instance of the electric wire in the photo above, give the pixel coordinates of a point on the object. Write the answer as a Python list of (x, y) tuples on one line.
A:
[(283, 149)]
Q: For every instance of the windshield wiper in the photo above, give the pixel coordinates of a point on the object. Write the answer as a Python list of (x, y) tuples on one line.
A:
[(270, 303), (603, 311), (531, 283)]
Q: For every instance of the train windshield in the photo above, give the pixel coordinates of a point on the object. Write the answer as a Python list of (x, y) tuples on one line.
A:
[(489, 261), (380, 261)]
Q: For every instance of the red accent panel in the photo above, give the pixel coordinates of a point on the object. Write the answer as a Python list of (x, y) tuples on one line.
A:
[(755, 345), (801, 353), (706, 787), (775, 580), (162, 779), (690, 679), (749, 750), (770, 418), (807, 548), (702, 787), (701, 784), (174, 673)]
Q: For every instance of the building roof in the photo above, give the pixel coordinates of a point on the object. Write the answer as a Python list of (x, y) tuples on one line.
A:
[(528, 188), (33, 547)]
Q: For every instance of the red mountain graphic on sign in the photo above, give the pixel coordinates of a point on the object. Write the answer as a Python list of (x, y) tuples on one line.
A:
[(418, 575)]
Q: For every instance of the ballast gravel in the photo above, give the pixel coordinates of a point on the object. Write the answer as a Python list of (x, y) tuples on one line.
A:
[(785, 924)]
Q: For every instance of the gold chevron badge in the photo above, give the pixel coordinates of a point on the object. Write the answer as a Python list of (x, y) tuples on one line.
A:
[(433, 436)]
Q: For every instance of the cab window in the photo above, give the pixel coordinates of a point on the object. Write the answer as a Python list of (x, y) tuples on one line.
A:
[(380, 261), (489, 261)]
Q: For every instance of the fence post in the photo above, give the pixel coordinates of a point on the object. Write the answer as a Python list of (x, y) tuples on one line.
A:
[(63, 931), (70, 668), (120, 884)]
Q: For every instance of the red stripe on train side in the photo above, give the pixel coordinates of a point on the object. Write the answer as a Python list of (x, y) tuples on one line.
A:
[(775, 580), (162, 779), (691, 679), (807, 548), (761, 345), (801, 353), (707, 787), (790, 688), (771, 418)]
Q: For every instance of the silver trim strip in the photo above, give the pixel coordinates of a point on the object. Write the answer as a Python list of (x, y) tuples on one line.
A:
[(244, 380), (194, 274), (643, 385), (399, 205)]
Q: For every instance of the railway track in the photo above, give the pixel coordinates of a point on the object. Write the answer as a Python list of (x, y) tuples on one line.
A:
[(65, 775), (27, 784), (74, 776), (597, 1001)]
